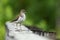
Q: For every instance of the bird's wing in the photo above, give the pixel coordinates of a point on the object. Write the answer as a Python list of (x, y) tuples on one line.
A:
[(15, 19)]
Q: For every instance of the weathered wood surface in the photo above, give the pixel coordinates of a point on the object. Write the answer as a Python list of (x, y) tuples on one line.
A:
[(17, 32)]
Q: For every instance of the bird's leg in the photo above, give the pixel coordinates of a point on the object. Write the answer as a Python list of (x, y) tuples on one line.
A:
[(20, 23), (20, 27), (16, 24)]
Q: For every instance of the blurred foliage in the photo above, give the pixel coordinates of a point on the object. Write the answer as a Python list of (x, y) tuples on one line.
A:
[(40, 13)]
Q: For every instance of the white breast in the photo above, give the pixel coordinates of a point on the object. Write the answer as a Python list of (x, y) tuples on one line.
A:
[(20, 19)]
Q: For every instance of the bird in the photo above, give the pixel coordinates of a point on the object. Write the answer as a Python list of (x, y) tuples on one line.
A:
[(21, 17)]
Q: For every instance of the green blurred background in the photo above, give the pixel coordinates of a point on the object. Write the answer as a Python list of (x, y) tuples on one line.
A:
[(40, 13)]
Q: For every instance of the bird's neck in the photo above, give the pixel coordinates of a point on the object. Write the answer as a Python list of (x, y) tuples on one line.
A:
[(22, 15)]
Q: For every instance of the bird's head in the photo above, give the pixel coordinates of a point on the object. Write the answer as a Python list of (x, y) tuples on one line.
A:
[(22, 11)]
